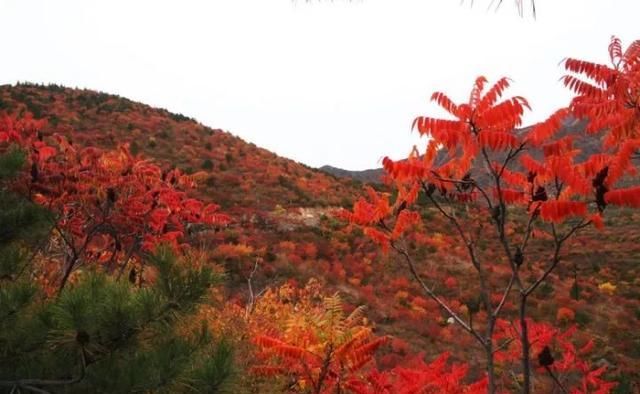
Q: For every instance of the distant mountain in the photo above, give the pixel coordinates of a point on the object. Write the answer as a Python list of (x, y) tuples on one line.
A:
[(587, 147), (373, 175)]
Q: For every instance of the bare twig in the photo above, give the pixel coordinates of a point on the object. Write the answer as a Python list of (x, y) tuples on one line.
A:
[(252, 298), (496, 312), (429, 291), (556, 380), (558, 241)]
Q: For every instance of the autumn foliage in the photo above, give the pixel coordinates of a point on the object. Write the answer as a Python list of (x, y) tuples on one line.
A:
[(95, 213), (110, 206), (310, 342), (473, 232), (536, 183)]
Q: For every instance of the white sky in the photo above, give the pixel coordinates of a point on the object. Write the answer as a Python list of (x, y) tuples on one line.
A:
[(322, 83)]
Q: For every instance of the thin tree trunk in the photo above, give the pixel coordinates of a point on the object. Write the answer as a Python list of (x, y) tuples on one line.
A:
[(67, 273), (491, 374), (524, 339)]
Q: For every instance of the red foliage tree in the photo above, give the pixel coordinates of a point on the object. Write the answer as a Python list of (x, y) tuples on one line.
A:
[(308, 341), (109, 205), (478, 163)]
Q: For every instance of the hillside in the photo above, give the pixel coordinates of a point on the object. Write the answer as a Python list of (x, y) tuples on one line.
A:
[(282, 214), (238, 174)]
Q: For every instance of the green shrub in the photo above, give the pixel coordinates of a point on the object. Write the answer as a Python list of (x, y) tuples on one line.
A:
[(207, 164), (101, 334), (582, 318)]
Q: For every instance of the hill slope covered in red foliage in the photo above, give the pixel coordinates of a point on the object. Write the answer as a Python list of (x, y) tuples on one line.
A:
[(281, 214), (235, 173)]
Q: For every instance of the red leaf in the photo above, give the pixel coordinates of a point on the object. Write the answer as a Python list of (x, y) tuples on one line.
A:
[(556, 211), (629, 197)]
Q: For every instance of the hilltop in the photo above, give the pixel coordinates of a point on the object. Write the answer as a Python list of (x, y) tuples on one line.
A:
[(238, 174)]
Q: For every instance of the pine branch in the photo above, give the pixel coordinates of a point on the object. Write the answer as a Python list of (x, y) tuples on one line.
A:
[(30, 384)]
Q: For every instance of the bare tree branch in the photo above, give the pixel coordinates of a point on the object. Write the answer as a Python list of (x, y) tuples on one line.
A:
[(429, 291)]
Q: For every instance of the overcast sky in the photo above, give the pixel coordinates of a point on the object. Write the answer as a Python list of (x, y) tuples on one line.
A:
[(320, 82)]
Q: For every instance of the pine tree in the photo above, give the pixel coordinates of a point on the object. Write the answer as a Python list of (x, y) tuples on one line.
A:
[(100, 334)]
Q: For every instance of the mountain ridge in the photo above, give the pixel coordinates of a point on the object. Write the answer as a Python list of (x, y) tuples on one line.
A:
[(372, 175), (106, 120), (587, 147)]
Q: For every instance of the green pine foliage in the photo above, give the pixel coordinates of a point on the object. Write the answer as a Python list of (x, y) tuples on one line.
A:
[(100, 335)]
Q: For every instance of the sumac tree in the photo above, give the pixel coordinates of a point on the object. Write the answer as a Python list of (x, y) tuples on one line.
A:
[(309, 343), (488, 178), (110, 207)]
